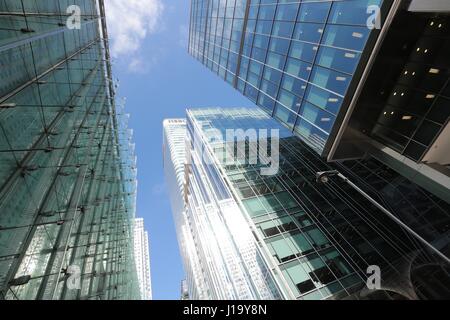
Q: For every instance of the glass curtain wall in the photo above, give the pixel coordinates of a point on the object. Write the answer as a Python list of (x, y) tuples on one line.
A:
[(67, 164), (320, 239)]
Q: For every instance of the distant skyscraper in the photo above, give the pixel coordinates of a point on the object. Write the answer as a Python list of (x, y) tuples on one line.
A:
[(348, 77), (67, 164), (287, 235), (142, 258)]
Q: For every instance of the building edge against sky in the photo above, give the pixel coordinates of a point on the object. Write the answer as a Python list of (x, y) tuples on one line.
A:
[(313, 241), (68, 170)]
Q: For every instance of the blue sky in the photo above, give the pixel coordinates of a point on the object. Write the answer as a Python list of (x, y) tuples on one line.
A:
[(160, 80)]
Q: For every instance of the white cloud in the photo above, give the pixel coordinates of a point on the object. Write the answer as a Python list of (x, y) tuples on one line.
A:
[(130, 22)]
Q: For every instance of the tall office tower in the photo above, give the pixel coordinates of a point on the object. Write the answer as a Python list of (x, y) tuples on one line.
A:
[(67, 173), (309, 238), (220, 255), (354, 79), (142, 258), (184, 291)]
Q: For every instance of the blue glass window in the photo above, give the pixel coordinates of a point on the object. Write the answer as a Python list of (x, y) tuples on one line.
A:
[(347, 37), (314, 11), (263, 27), (324, 99), (267, 12), (341, 60), (282, 29), (269, 88), (287, 12), (266, 102), (319, 117), (279, 45), (284, 115), (351, 12), (310, 32), (275, 60), (331, 80), (261, 41), (293, 85), (314, 137), (289, 100), (303, 51), (298, 68), (272, 75), (259, 54)]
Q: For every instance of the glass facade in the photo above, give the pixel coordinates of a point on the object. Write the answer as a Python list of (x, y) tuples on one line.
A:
[(294, 59), (317, 240), (67, 164), (220, 255)]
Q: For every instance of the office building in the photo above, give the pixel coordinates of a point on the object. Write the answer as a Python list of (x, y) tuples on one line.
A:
[(67, 164), (350, 78), (219, 253), (142, 258), (310, 239)]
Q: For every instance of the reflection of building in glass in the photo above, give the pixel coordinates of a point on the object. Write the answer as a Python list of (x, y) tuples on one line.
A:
[(310, 240), (142, 258), (345, 88), (67, 164)]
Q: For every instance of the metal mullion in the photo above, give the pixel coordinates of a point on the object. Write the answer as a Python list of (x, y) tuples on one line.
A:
[(98, 238), (73, 213), (305, 162), (241, 46), (90, 194), (13, 178), (16, 264)]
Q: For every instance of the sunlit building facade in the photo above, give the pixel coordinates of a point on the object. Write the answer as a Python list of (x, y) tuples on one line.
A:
[(67, 163), (312, 240), (142, 258), (350, 78)]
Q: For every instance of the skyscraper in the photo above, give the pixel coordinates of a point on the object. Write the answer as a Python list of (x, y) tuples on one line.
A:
[(350, 78), (353, 79), (68, 170), (142, 258), (310, 239), (220, 255)]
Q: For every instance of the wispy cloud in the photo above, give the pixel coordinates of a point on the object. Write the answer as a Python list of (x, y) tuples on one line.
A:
[(130, 22)]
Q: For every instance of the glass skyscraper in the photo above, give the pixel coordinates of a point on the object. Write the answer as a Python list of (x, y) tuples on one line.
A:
[(363, 83), (307, 62), (220, 255), (294, 59), (67, 164), (350, 77), (309, 240)]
